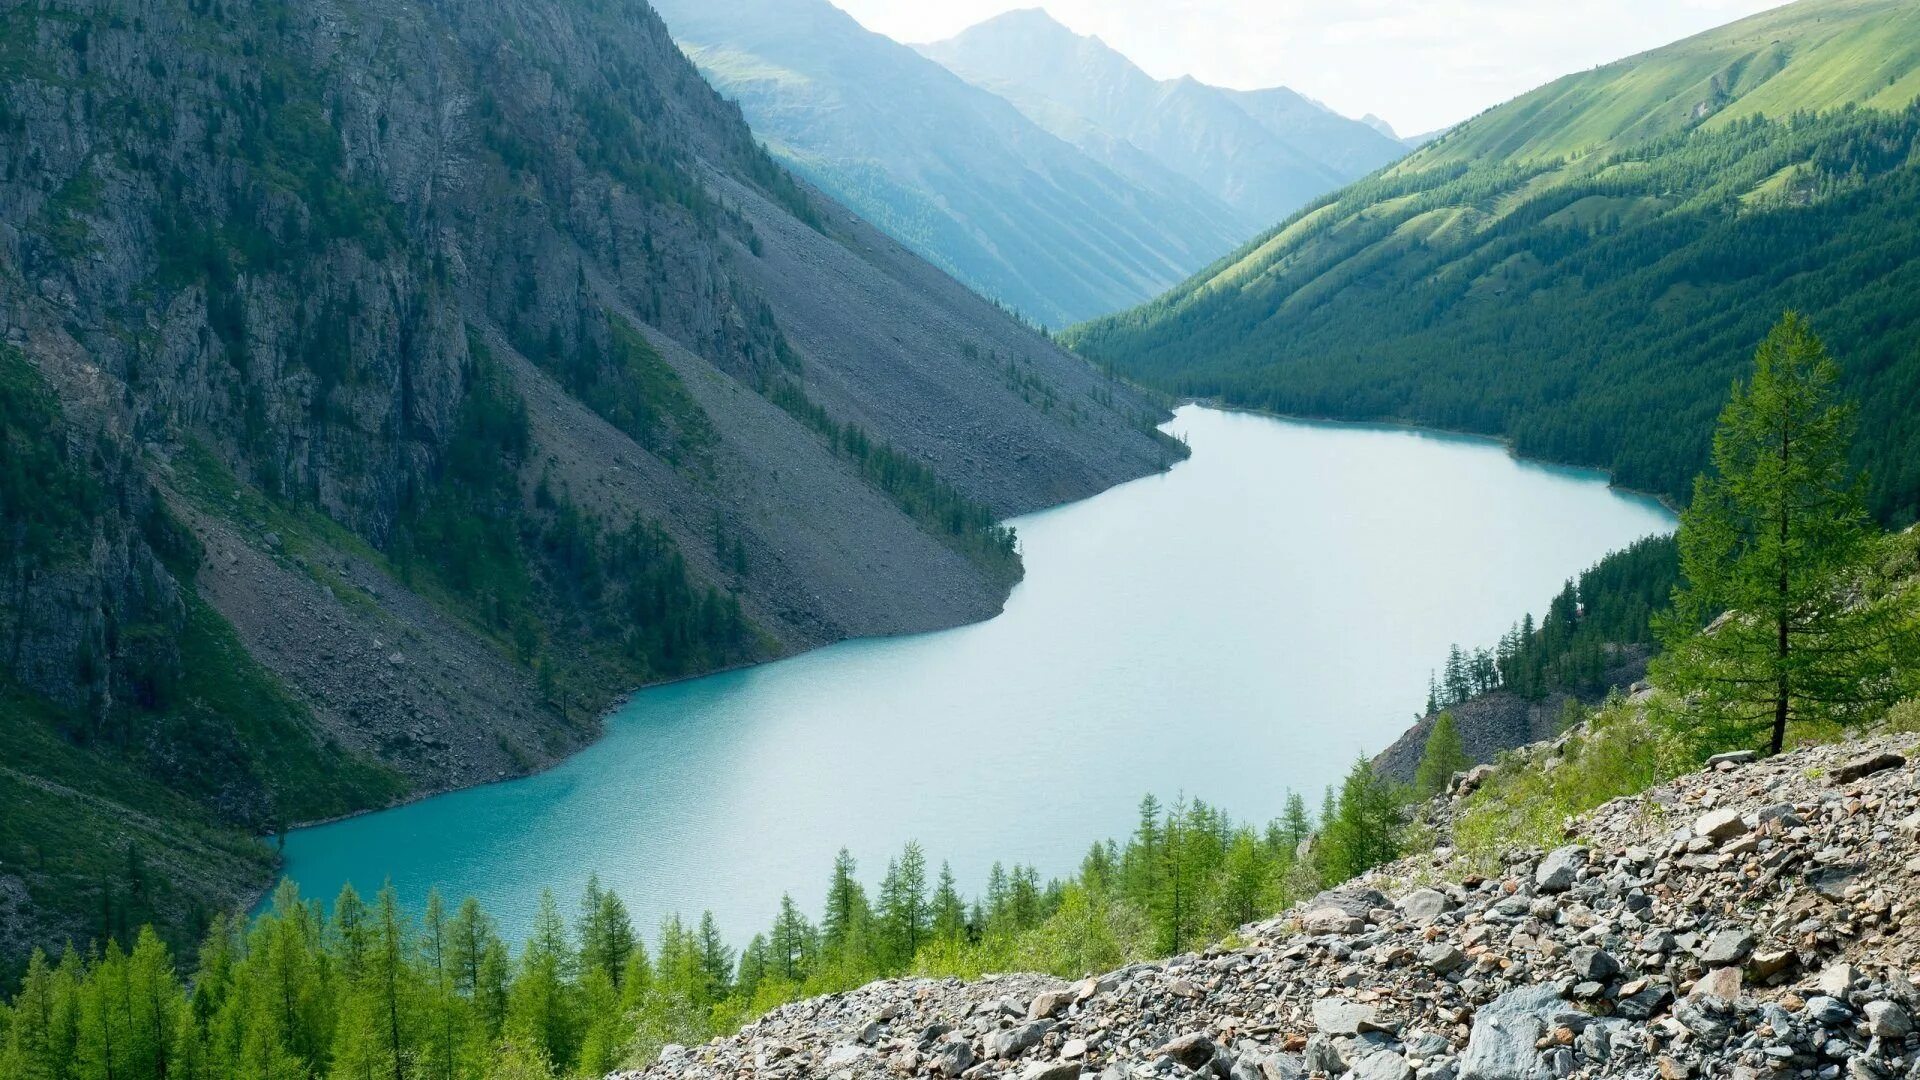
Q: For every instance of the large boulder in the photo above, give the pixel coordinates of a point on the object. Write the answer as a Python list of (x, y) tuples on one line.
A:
[(1016, 1040), (1331, 920), (1505, 1034), (1385, 1065), (1719, 826), (1424, 904), (1338, 1016), (1560, 869), (1862, 767)]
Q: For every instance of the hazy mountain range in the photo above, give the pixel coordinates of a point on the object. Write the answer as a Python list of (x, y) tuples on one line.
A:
[(1263, 153), (1065, 197)]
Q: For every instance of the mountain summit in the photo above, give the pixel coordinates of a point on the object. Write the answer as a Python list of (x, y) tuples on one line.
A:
[(1264, 152), (951, 170)]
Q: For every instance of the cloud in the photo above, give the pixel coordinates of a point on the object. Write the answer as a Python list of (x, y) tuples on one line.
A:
[(1421, 65)]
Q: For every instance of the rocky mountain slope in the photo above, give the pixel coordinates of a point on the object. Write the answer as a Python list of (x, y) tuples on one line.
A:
[(1265, 153), (386, 387), (1501, 720), (1584, 269), (957, 173), (1751, 920)]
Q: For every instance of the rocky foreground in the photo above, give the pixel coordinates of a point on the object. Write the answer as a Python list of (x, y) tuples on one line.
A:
[(1754, 920)]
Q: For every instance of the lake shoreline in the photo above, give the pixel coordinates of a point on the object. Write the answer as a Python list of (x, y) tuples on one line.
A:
[(1503, 441), (1080, 670)]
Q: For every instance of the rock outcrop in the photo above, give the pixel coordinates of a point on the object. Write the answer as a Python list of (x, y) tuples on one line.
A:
[(298, 278), (1664, 941), (1503, 720)]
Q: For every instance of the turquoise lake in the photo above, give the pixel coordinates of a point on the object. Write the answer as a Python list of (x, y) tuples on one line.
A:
[(1245, 624)]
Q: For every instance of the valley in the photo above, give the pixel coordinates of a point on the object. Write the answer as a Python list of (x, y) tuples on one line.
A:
[(744, 538), (1229, 607)]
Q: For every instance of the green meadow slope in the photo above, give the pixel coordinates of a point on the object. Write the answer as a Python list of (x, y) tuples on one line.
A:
[(1586, 268)]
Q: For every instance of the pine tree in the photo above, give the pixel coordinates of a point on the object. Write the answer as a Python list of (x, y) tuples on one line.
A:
[(1024, 904), (154, 1006), (755, 967), (1295, 825), (716, 959), (348, 933), (1774, 539), (541, 1009), (605, 932), (1456, 684), (843, 926), (903, 907), (994, 913), (790, 946), (28, 1052), (949, 910), (1245, 879), (1143, 863), (1444, 755), (443, 1010), (392, 981), (1365, 829)]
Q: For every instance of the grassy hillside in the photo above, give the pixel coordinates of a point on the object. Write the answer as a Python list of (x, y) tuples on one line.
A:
[(1585, 269)]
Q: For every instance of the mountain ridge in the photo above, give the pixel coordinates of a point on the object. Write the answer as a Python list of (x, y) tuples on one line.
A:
[(379, 407), (959, 174), (1263, 152), (1545, 269)]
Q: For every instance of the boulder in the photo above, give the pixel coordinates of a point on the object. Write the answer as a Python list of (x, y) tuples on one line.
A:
[(1424, 904), (1593, 964), (951, 1056), (1831, 1012), (1323, 1057), (1722, 983), (1862, 767), (1385, 1065), (1051, 1003), (1052, 1070), (1888, 1020), (1505, 1034), (1729, 947), (1837, 978), (1338, 1016), (1016, 1040), (1331, 920), (1767, 963), (1719, 826), (1442, 958), (1194, 1051), (1558, 871)]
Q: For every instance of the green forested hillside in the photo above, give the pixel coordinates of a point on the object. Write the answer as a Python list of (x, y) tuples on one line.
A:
[(1585, 269)]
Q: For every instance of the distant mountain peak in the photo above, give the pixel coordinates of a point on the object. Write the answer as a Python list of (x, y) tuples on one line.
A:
[(1264, 153), (1380, 126)]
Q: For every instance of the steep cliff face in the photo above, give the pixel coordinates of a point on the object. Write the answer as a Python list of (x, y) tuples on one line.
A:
[(434, 373)]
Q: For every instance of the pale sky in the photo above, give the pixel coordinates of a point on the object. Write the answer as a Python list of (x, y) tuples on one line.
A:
[(1419, 64)]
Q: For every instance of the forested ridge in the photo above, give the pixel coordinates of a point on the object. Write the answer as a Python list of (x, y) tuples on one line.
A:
[(1588, 287)]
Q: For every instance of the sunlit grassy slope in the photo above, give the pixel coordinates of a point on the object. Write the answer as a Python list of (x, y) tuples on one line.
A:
[(1585, 268)]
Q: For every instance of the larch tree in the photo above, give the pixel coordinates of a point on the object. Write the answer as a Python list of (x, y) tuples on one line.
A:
[(1444, 755), (1769, 629)]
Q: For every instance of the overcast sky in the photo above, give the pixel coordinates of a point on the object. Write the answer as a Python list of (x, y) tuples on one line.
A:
[(1420, 64)]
